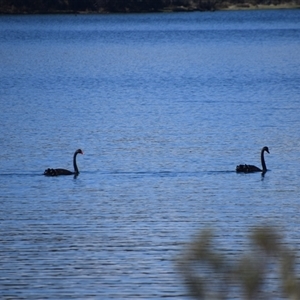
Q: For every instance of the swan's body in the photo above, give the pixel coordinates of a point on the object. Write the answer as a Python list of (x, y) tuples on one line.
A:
[(57, 172), (251, 168)]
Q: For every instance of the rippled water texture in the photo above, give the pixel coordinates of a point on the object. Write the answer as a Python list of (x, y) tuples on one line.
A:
[(164, 107)]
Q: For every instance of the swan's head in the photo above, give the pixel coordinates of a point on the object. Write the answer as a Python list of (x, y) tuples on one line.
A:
[(79, 151), (265, 149)]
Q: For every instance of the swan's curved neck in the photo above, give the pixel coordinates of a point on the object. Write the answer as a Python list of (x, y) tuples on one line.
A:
[(263, 163), (76, 171)]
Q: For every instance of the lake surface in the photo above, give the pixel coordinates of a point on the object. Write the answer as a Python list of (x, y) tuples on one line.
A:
[(164, 107)]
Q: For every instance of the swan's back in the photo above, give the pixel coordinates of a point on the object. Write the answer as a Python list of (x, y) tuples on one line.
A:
[(57, 172), (247, 169)]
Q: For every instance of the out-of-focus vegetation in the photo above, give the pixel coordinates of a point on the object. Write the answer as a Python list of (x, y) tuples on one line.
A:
[(267, 271), (102, 6)]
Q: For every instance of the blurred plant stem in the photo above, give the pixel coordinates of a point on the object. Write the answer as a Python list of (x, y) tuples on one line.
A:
[(265, 271)]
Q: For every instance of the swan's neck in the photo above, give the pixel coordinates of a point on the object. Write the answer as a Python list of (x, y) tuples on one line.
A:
[(76, 171), (262, 157)]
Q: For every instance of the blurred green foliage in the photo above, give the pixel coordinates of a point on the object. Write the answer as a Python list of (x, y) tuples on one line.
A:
[(266, 271)]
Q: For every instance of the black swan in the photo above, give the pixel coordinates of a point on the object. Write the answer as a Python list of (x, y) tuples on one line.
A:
[(57, 172), (251, 168)]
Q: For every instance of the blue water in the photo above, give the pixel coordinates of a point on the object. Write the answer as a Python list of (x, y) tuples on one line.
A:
[(164, 107)]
